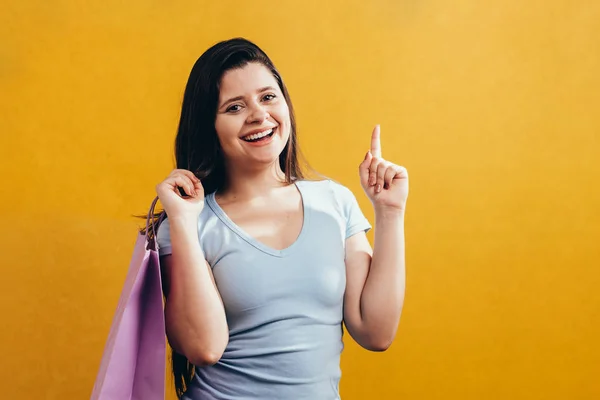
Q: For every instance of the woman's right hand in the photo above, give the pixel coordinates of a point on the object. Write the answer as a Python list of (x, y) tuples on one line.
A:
[(174, 204)]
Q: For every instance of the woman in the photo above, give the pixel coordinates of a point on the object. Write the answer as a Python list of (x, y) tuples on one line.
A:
[(261, 266)]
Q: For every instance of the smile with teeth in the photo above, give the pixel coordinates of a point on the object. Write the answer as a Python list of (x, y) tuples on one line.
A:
[(258, 136)]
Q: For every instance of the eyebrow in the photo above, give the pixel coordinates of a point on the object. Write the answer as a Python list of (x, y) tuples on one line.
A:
[(264, 89)]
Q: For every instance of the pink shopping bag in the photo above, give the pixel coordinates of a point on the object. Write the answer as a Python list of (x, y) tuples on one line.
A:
[(133, 362)]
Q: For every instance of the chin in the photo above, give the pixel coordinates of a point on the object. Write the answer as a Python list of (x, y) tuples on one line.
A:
[(269, 159)]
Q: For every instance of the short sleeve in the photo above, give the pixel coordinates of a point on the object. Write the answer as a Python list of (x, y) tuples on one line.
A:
[(355, 219), (163, 238)]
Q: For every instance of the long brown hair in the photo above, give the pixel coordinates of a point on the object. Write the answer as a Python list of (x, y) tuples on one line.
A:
[(197, 147)]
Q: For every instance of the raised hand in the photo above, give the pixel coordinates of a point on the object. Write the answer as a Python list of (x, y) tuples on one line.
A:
[(385, 183), (173, 202)]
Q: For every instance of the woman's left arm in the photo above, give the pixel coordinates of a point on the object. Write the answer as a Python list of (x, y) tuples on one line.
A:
[(375, 278)]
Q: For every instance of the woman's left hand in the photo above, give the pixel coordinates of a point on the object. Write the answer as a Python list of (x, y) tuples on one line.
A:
[(385, 183)]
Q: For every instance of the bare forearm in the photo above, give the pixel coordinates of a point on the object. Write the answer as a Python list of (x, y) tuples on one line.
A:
[(194, 310), (383, 295)]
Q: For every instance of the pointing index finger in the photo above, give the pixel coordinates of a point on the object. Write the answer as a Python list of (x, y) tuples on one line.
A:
[(376, 142)]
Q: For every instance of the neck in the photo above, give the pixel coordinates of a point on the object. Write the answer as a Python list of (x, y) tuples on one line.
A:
[(245, 184)]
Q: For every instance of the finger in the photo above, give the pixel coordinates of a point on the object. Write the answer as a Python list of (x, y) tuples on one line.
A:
[(198, 188), (363, 168), (183, 182), (376, 142), (373, 171), (187, 173), (381, 170), (401, 172), (191, 175), (196, 182), (390, 173)]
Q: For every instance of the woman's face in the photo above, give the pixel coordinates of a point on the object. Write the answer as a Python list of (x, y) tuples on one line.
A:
[(253, 119)]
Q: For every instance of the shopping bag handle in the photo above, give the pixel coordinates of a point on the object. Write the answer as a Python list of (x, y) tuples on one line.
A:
[(152, 222)]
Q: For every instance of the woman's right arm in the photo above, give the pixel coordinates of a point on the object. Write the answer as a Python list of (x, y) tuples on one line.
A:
[(196, 325)]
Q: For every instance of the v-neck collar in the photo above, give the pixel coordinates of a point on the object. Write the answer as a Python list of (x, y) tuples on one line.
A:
[(220, 213)]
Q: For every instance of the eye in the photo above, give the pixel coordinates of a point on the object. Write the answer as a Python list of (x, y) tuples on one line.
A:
[(269, 97), (233, 108)]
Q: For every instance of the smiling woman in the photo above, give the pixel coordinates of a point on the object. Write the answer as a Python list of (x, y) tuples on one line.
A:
[(260, 266), (212, 94)]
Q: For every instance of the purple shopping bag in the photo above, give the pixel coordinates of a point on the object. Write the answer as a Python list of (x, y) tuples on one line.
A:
[(133, 362)]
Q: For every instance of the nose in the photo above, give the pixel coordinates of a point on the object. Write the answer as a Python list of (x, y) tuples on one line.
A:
[(257, 114)]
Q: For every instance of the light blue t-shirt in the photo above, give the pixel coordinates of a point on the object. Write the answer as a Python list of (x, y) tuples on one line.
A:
[(284, 307)]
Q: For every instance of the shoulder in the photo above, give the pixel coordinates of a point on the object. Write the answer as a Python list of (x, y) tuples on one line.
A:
[(325, 186), (209, 229), (341, 194), (330, 191), (206, 215), (334, 199)]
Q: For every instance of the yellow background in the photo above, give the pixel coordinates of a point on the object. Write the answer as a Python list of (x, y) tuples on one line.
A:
[(494, 108)]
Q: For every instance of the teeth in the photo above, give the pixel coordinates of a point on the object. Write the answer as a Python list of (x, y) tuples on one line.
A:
[(258, 135)]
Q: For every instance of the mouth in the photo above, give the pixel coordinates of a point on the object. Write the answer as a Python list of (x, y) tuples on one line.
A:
[(260, 136)]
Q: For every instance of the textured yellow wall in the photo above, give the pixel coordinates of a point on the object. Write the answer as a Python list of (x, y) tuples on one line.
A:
[(493, 106)]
